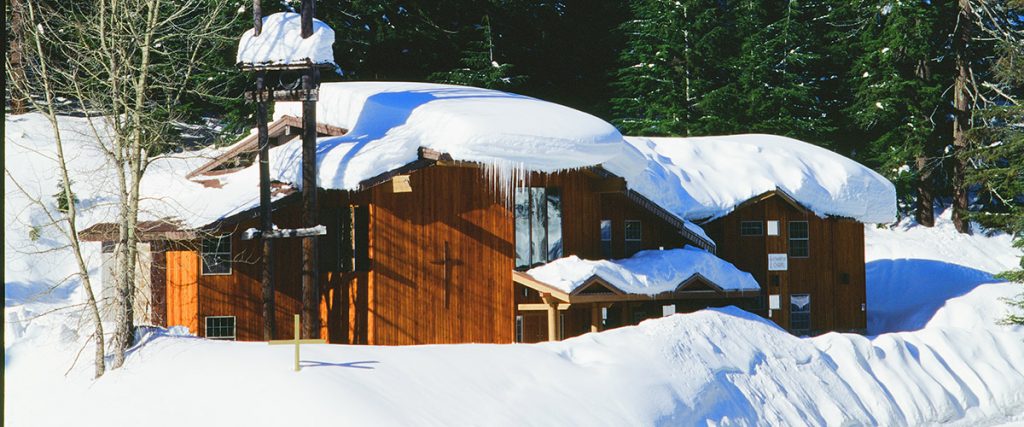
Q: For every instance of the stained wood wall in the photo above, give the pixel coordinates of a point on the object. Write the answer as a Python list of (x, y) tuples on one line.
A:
[(836, 248)]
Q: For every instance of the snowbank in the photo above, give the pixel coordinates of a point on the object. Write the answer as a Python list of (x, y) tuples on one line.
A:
[(280, 42), (647, 272), (388, 122), (706, 177), (715, 367), (912, 271)]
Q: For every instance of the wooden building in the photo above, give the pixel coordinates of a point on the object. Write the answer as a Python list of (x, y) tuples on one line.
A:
[(439, 250)]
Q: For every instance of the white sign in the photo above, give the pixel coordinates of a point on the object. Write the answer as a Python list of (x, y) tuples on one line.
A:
[(668, 310), (774, 302), (773, 228), (778, 262)]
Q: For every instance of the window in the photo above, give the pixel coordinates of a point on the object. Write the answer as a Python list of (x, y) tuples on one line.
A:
[(751, 228), (634, 235), (606, 238), (799, 242), (800, 314), (519, 328), (216, 255), (538, 213), (220, 327)]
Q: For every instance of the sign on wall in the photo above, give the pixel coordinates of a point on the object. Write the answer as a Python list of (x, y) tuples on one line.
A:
[(773, 228), (774, 302), (778, 262)]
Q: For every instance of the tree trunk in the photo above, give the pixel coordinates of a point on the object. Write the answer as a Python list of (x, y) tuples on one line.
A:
[(962, 116), (310, 276), (267, 224), (924, 211)]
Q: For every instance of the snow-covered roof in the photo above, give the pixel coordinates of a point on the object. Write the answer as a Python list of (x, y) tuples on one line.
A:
[(647, 272), (707, 177), (388, 122), (280, 42)]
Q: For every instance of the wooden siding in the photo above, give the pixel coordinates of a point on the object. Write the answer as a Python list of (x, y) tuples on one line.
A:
[(836, 250), (408, 302)]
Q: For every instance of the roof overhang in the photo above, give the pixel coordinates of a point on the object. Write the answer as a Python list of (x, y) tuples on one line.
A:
[(694, 287)]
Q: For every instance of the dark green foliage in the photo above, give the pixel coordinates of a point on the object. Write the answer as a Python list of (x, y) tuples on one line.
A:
[(63, 204), (674, 57), (480, 66)]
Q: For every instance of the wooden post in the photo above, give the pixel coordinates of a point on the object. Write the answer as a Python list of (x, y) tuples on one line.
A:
[(552, 316), (266, 222), (310, 278), (595, 317)]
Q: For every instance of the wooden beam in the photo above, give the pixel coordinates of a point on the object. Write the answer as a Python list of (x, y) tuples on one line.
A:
[(552, 316), (288, 95), (253, 233), (541, 307)]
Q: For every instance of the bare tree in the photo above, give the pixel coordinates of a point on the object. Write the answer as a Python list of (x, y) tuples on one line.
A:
[(68, 213), (131, 63)]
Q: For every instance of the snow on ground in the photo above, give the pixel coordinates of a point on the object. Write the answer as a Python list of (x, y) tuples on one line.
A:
[(280, 42), (926, 267), (648, 272), (950, 364), (707, 177)]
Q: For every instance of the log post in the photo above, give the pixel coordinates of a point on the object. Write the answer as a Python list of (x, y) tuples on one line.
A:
[(552, 316), (595, 317), (266, 222), (310, 278)]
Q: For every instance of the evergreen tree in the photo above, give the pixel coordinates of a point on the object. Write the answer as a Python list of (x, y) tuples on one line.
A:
[(898, 82), (776, 75), (671, 61), (480, 66)]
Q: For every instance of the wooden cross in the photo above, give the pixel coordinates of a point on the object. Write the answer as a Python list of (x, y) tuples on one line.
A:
[(296, 341), (448, 262)]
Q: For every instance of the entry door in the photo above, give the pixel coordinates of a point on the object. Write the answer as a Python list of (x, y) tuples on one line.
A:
[(183, 289)]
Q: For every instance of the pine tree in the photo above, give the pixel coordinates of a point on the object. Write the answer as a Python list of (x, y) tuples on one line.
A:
[(671, 61), (777, 73), (898, 82), (480, 66)]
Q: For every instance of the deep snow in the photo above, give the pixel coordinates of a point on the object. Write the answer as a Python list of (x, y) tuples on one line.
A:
[(647, 272), (280, 42), (706, 177), (949, 363)]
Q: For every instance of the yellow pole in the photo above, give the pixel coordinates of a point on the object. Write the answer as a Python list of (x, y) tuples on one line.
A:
[(297, 343)]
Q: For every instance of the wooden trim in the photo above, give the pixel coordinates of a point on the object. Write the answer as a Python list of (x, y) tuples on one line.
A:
[(551, 292), (540, 307), (532, 283), (596, 280), (279, 127), (679, 224)]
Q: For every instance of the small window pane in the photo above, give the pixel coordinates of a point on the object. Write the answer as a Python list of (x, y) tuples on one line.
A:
[(220, 327), (800, 314), (216, 255), (554, 222), (751, 228), (798, 230), (799, 243), (606, 229), (634, 234)]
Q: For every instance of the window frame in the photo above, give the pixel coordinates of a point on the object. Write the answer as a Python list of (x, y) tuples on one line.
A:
[(638, 241), (606, 243), (744, 233), (203, 254), (807, 312), (539, 200), (234, 328), (791, 239)]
